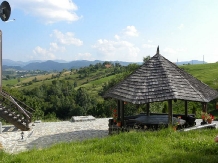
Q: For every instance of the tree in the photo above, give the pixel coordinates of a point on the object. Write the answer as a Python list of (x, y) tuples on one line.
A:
[(84, 100), (117, 65), (18, 80), (145, 59), (165, 108), (132, 67), (75, 84)]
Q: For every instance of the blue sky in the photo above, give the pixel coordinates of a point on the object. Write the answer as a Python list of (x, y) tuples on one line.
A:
[(123, 30)]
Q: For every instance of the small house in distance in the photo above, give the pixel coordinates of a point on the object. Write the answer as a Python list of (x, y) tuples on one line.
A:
[(158, 80)]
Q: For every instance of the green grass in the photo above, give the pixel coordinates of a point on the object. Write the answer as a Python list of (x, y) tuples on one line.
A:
[(164, 146), (93, 78), (38, 77), (11, 81), (208, 73), (95, 86)]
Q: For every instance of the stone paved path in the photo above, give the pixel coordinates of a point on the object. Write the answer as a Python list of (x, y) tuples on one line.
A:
[(47, 133)]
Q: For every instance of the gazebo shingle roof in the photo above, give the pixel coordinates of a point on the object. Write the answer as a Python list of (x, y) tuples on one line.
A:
[(159, 80)]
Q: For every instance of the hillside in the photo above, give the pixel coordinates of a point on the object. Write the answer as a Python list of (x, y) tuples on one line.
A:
[(56, 65), (78, 92), (59, 65), (93, 82), (207, 73)]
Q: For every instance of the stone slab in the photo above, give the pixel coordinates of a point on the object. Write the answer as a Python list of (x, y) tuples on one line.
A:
[(45, 134), (82, 118)]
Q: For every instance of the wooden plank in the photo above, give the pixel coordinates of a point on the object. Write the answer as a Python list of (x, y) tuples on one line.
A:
[(118, 109), (122, 112), (186, 108), (213, 125), (170, 112), (204, 107), (157, 119), (148, 109)]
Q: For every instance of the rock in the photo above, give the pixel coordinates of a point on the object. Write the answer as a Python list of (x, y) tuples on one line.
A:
[(82, 118)]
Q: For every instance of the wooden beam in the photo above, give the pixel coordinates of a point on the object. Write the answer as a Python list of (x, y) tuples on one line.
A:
[(148, 109), (186, 108), (204, 107), (213, 125), (0, 60), (118, 109), (122, 112), (170, 112)]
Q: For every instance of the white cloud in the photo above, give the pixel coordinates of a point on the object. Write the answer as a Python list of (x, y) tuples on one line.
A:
[(149, 41), (175, 54), (116, 50), (49, 11), (170, 51), (84, 56), (149, 46), (55, 47), (66, 39), (43, 54), (131, 31), (181, 26), (117, 37), (181, 49), (174, 51)]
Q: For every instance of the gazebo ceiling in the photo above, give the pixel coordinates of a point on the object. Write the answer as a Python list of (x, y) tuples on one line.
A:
[(159, 80)]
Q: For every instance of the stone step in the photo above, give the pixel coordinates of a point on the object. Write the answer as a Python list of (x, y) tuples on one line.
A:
[(15, 118), (5, 111)]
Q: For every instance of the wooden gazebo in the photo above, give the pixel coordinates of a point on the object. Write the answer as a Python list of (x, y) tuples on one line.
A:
[(158, 80)]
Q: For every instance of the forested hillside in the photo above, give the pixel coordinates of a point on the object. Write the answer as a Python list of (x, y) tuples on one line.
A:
[(69, 93), (77, 92)]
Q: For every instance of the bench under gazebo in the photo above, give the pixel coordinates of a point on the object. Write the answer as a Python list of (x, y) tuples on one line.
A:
[(159, 80)]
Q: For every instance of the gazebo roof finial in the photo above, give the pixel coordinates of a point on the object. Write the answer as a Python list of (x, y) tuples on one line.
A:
[(158, 50)]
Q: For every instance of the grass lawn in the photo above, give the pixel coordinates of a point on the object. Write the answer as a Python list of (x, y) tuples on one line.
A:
[(163, 146), (208, 73)]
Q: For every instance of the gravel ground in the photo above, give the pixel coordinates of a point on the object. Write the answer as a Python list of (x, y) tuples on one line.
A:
[(47, 133)]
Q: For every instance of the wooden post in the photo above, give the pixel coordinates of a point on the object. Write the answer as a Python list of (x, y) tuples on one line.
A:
[(186, 108), (204, 107), (118, 109), (122, 112), (148, 109), (0, 60), (170, 112)]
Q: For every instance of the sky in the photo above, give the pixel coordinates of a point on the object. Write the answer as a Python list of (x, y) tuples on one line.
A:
[(111, 30)]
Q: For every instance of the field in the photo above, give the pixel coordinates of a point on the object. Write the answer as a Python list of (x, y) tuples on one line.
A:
[(207, 73), (165, 146), (93, 82)]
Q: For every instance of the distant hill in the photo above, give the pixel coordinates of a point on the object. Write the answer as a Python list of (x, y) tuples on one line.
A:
[(5, 67), (192, 62), (9, 62), (59, 65), (50, 65)]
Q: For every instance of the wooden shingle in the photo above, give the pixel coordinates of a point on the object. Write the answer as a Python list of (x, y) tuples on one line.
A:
[(158, 79)]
